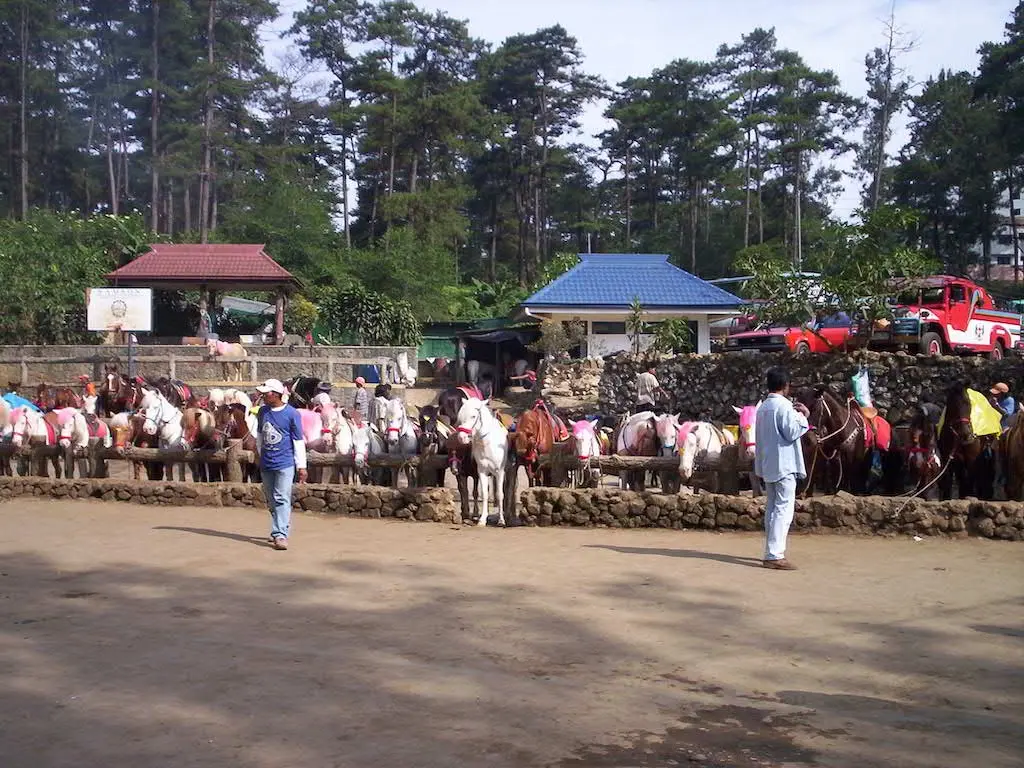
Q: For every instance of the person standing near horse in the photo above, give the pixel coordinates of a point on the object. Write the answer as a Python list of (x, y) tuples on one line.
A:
[(648, 390), (282, 454), (779, 462), (361, 403), (1003, 402)]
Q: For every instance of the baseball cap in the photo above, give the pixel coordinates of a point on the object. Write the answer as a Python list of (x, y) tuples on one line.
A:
[(360, 380), (1000, 389), (272, 385)]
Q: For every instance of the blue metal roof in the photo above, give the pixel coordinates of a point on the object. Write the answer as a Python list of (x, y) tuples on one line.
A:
[(615, 279)]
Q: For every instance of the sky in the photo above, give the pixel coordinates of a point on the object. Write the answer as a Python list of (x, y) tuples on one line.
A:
[(623, 38)]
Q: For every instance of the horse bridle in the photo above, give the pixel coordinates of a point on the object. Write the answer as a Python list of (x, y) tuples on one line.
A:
[(478, 418)]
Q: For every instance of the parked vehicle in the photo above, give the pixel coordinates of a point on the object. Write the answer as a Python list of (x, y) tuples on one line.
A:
[(948, 315), (827, 335)]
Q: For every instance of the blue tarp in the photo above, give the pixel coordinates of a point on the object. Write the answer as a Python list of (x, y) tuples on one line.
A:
[(17, 401)]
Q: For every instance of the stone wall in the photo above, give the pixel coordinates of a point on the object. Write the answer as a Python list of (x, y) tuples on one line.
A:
[(438, 505), (63, 364), (707, 386), (834, 514)]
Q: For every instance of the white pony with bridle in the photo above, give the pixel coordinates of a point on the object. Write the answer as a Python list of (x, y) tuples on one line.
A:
[(487, 437), (163, 420)]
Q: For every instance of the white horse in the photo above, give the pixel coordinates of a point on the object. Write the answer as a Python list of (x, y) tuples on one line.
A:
[(702, 441), (587, 447), (231, 356), (76, 435), (748, 422), (30, 427), (479, 428), (236, 397), (400, 435), (352, 438), (164, 421)]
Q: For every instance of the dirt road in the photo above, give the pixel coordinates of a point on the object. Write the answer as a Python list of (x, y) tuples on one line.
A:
[(134, 636)]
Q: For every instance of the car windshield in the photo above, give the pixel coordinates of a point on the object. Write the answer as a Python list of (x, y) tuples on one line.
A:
[(927, 296)]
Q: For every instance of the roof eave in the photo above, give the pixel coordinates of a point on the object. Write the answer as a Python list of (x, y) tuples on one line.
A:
[(740, 303)]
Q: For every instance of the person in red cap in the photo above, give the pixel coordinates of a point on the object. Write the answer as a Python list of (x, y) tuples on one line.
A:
[(362, 399), (1003, 402)]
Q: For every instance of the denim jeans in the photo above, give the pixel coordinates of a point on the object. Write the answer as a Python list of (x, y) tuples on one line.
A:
[(277, 488), (778, 515)]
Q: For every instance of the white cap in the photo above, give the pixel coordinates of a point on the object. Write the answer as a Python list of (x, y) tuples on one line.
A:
[(272, 385)]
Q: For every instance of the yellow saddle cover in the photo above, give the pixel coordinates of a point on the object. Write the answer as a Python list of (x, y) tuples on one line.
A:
[(985, 419)]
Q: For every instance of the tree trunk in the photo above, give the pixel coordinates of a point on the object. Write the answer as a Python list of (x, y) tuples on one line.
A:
[(169, 215), (23, 112), (694, 199), (88, 152), (111, 173), (629, 205), (494, 240), (213, 208), (344, 192), (154, 117), (1013, 228), (187, 206), (760, 198), (798, 240), (207, 159), (394, 143)]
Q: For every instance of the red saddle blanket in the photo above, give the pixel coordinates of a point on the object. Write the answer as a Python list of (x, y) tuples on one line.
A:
[(877, 433)]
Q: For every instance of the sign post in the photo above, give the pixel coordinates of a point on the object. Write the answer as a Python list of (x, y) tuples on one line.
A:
[(123, 310)]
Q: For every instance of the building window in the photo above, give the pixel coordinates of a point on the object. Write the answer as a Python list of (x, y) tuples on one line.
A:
[(601, 328), (1004, 239), (1003, 261)]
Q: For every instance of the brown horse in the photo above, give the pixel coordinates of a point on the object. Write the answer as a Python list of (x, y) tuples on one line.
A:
[(139, 439), (200, 432), (968, 457), (538, 432), (236, 427), (118, 393), (923, 462)]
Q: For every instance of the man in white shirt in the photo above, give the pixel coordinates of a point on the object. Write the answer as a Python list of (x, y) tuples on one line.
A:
[(779, 462), (647, 390)]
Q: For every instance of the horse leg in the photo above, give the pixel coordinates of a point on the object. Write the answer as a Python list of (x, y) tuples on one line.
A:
[(463, 483), (482, 522), (499, 495)]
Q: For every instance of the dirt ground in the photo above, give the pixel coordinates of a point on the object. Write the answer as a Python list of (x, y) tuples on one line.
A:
[(136, 636)]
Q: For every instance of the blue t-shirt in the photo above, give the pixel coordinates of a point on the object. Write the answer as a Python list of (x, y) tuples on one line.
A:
[(1008, 406), (277, 430)]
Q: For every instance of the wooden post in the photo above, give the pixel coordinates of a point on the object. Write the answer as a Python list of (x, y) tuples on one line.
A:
[(171, 367), (279, 318), (253, 372), (330, 370), (98, 459), (232, 461), (24, 373)]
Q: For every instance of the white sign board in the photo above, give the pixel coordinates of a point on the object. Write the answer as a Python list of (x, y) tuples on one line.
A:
[(119, 309)]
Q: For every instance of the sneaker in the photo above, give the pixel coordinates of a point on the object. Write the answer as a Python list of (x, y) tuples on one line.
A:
[(280, 543), (779, 565)]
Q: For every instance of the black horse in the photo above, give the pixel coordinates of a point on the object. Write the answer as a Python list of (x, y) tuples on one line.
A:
[(304, 388), (966, 456)]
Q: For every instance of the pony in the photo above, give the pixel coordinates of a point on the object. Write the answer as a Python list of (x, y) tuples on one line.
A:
[(302, 389), (240, 424), (700, 441), (586, 446), (432, 441), (747, 440), (538, 432), (967, 456), (138, 437), (479, 428), (33, 428), (450, 401), (77, 433), (177, 392), (200, 432), (923, 462), (636, 435), (352, 439), (118, 393), (231, 355), (163, 421), (667, 430), (317, 436), (400, 434)]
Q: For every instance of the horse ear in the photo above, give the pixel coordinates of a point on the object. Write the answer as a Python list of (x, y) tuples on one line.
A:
[(737, 409)]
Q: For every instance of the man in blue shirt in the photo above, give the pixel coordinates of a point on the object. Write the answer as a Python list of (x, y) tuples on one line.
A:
[(282, 453), (1004, 403), (779, 462)]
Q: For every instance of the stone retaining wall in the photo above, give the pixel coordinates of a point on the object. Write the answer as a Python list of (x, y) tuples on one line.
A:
[(834, 514), (707, 386), (438, 505)]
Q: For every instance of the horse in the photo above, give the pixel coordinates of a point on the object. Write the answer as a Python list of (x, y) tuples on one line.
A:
[(967, 456), (747, 441), (163, 421), (138, 437), (352, 438), (77, 432), (240, 424), (843, 442), (33, 428), (200, 432), (586, 445), (432, 441), (923, 462), (302, 389), (231, 354), (317, 436), (478, 427), (636, 435), (538, 432), (669, 436), (400, 434), (118, 393), (378, 412), (700, 441), (450, 401), (176, 391)]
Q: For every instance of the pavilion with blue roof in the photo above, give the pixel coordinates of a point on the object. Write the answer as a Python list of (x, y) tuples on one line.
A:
[(600, 289)]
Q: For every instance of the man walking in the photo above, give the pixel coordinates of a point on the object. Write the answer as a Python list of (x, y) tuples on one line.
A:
[(779, 462), (648, 389), (282, 454)]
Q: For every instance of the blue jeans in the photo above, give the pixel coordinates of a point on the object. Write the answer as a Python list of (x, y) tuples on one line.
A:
[(778, 515), (277, 488)]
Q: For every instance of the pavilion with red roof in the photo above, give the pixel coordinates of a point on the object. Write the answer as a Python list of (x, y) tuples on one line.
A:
[(209, 267)]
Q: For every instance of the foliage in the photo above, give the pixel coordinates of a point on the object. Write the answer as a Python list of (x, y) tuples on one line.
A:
[(859, 264), (372, 318), (673, 336), (48, 261), (557, 338), (636, 325), (300, 316)]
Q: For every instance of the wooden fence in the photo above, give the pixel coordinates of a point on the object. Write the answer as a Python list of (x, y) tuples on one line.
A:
[(722, 474)]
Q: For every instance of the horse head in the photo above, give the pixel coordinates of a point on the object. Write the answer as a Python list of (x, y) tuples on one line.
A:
[(957, 420), (430, 435), (587, 446), (67, 421), (470, 420), (748, 421), (666, 427)]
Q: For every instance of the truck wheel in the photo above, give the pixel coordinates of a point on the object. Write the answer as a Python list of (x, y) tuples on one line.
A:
[(931, 345), (997, 353), (802, 349)]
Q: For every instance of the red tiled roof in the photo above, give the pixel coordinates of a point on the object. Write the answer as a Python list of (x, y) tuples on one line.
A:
[(196, 263)]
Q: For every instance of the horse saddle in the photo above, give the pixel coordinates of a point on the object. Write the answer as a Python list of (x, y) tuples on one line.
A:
[(52, 421), (470, 391), (96, 427), (877, 431), (184, 390), (559, 432)]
